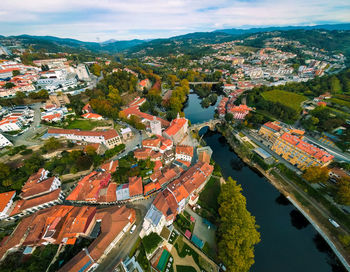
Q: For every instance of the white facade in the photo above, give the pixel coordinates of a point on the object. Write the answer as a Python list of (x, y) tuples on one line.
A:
[(4, 141), (156, 127), (183, 157), (82, 72), (10, 126)]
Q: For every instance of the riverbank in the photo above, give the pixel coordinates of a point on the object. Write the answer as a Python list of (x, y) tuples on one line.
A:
[(317, 215)]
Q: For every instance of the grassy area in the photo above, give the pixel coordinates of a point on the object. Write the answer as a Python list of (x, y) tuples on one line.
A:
[(82, 124), (173, 237), (340, 102), (142, 259), (151, 242), (183, 223), (208, 198), (183, 250), (185, 268), (288, 99)]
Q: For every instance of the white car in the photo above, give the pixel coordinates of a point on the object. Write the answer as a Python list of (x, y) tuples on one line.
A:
[(132, 229)]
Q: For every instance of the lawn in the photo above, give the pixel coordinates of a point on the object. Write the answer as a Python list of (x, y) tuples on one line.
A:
[(288, 99), (151, 242), (340, 102), (208, 198), (85, 124), (183, 268), (183, 223), (173, 237)]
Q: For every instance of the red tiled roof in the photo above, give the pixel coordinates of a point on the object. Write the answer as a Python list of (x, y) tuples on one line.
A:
[(107, 134), (308, 148), (175, 126), (135, 186), (111, 166), (91, 116), (5, 199), (22, 205), (273, 126), (184, 150), (34, 188)]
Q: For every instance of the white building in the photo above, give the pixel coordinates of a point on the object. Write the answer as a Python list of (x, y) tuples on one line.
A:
[(156, 126), (82, 72), (154, 221), (4, 141), (109, 138)]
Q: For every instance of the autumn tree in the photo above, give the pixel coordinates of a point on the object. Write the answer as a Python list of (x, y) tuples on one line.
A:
[(237, 231), (343, 193), (316, 174)]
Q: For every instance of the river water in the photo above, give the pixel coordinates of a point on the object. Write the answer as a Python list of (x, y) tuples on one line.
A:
[(289, 243)]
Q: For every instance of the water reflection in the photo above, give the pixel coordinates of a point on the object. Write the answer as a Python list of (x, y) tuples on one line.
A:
[(282, 200), (298, 220), (332, 260)]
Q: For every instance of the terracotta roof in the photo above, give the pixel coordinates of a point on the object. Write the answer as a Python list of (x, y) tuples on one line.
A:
[(135, 186), (312, 150), (113, 221), (91, 116), (150, 187), (111, 166), (33, 188), (22, 205), (184, 150), (272, 126), (151, 142), (5, 199), (175, 126), (107, 134)]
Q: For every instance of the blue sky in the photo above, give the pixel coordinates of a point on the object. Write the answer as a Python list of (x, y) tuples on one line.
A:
[(100, 20)]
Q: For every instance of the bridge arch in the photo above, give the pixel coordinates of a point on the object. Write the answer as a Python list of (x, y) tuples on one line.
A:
[(211, 124)]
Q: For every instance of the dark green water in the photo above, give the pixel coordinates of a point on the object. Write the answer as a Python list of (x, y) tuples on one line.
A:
[(289, 243)]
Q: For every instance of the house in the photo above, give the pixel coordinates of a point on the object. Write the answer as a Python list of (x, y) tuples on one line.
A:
[(27, 206), (135, 187), (270, 131), (109, 138), (4, 141), (93, 188), (115, 222), (92, 116), (6, 200), (110, 167), (239, 112), (126, 133), (204, 154), (144, 84), (144, 117), (87, 108), (184, 153), (177, 130), (336, 174)]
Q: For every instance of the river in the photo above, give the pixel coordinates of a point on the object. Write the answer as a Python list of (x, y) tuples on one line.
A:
[(289, 243)]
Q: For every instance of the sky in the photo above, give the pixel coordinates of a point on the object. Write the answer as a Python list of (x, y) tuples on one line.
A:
[(100, 20)]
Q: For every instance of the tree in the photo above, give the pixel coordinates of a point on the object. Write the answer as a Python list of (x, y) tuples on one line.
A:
[(9, 85), (51, 144), (114, 95), (335, 85), (15, 73), (343, 193), (237, 231), (228, 117), (316, 174)]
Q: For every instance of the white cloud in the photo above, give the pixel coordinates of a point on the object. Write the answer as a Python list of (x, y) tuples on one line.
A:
[(120, 19)]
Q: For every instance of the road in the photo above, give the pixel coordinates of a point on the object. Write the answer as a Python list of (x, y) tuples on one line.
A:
[(260, 142), (35, 128), (122, 249), (131, 144)]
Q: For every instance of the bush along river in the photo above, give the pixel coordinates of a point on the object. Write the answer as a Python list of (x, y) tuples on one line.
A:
[(289, 243)]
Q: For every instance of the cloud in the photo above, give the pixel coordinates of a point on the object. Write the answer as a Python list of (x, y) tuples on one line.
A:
[(120, 19)]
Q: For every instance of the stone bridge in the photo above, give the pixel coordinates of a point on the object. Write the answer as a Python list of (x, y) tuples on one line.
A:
[(211, 124)]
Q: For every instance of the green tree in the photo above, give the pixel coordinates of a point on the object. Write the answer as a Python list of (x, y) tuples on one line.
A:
[(228, 117), (316, 174), (15, 73), (335, 85), (237, 230), (114, 95), (9, 85)]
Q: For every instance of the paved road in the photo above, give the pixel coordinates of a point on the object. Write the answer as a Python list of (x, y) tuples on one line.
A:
[(35, 127), (257, 140), (122, 249)]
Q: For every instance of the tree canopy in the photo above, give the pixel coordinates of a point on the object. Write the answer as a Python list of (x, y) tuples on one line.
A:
[(316, 174), (237, 230)]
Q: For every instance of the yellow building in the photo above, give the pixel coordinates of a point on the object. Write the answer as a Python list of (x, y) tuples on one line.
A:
[(270, 131), (300, 153)]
